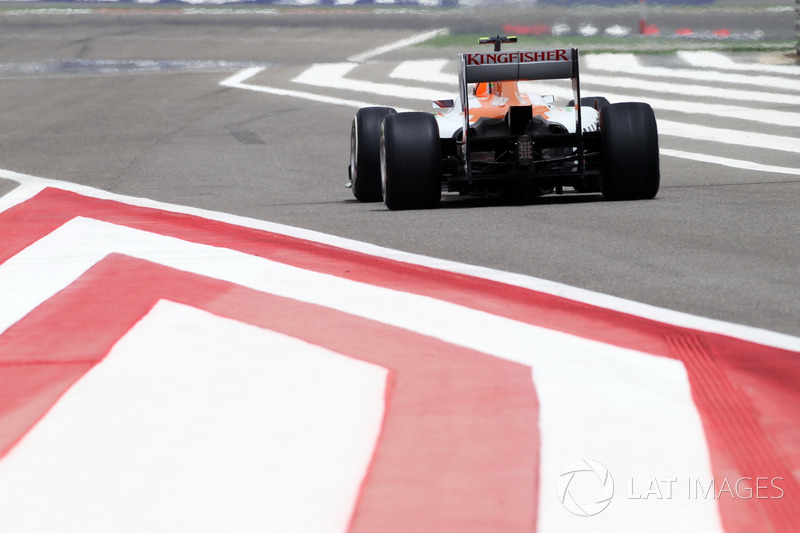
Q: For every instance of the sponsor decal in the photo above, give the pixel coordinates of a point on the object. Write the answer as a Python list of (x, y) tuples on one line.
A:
[(502, 58)]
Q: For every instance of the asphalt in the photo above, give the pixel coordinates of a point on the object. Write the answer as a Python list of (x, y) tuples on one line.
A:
[(718, 242), (775, 19)]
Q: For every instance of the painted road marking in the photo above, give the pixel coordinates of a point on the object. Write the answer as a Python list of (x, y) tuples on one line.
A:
[(716, 60), (264, 428), (728, 162), (35, 185), (237, 82), (752, 139), (333, 76), (629, 63), (589, 365), (431, 70), (511, 340), (396, 45), (716, 93), (429, 399)]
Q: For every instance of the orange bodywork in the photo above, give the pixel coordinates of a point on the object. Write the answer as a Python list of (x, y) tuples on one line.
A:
[(497, 97)]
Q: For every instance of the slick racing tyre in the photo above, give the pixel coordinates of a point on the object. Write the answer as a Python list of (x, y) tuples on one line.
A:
[(411, 164), (365, 162), (629, 141)]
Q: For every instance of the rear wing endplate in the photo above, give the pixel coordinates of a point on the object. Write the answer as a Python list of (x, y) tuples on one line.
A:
[(518, 66)]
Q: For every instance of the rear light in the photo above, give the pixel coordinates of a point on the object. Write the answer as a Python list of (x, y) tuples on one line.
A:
[(524, 150)]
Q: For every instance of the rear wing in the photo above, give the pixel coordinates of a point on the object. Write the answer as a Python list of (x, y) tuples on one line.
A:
[(517, 66), (530, 65)]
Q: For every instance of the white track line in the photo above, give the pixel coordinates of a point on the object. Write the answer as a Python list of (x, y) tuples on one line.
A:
[(644, 397), (237, 82), (332, 75), (733, 163), (31, 185), (431, 70), (629, 63), (402, 43), (718, 61), (80, 243), (744, 114), (730, 137), (208, 424), (241, 76), (715, 93)]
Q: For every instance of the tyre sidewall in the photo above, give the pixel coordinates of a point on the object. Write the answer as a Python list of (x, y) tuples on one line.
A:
[(411, 161), (630, 156), (365, 171)]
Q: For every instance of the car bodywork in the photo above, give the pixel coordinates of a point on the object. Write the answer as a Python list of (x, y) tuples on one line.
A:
[(494, 139), (516, 138)]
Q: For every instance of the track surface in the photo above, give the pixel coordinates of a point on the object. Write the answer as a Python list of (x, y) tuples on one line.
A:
[(226, 373), (718, 241), (267, 377)]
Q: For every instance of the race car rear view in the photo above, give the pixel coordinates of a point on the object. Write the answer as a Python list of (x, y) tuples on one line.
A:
[(515, 144)]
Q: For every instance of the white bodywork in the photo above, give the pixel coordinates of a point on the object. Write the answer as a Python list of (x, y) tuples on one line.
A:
[(450, 121)]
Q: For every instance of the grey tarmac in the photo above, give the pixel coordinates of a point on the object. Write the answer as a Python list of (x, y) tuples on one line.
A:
[(718, 242)]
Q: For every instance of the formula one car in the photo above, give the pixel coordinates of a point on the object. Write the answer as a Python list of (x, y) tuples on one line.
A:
[(504, 142)]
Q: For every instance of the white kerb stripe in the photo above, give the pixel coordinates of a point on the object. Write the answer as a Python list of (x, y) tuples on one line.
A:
[(194, 422), (32, 184), (615, 408)]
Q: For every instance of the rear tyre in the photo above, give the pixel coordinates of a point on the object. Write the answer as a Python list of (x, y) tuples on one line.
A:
[(365, 156), (411, 165), (629, 138)]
